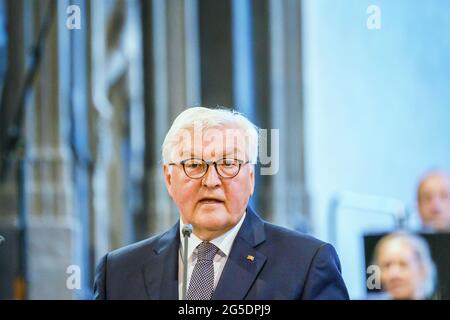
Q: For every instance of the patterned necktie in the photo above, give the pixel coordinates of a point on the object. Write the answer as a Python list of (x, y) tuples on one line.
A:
[(201, 286)]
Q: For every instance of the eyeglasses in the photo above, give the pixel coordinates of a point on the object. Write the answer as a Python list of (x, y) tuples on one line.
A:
[(197, 168)]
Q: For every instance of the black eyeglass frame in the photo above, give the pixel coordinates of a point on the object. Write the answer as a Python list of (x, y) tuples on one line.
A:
[(208, 164)]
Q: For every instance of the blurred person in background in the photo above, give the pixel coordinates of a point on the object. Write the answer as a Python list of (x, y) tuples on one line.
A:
[(407, 271), (433, 198)]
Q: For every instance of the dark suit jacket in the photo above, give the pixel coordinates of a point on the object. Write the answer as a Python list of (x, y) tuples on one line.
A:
[(286, 265)]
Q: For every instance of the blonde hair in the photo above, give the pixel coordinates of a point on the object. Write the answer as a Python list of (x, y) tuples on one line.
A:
[(421, 252), (205, 118)]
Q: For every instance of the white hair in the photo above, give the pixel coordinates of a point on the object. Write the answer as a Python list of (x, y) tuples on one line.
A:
[(205, 118)]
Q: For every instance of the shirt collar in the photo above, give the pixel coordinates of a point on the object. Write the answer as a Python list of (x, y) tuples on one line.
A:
[(224, 242)]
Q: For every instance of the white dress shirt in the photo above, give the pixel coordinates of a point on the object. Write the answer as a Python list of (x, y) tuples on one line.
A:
[(223, 242)]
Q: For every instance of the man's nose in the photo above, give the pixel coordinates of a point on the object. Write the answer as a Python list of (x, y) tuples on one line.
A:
[(211, 179), (436, 204)]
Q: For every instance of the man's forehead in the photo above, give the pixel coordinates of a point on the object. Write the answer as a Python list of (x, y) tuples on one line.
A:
[(217, 142), (435, 180), (210, 151)]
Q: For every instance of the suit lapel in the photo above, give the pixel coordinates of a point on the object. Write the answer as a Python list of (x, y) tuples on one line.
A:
[(244, 263), (242, 267), (161, 270)]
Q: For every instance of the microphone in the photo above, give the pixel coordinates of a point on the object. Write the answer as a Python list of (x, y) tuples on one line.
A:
[(2, 239), (186, 231)]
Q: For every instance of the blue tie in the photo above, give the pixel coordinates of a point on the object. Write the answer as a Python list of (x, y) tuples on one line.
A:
[(201, 286)]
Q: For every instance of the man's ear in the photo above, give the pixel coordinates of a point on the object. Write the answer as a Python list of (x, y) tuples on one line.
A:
[(168, 178), (252, 180)]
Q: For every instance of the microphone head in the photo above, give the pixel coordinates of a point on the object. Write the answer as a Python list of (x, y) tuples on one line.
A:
[(2, 239), (187, 230)]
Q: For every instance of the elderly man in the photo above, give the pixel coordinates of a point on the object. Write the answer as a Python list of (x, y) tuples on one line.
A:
[(208, 164), (433, 197)]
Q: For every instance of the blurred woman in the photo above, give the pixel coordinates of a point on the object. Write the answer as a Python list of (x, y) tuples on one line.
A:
[(407, 271)]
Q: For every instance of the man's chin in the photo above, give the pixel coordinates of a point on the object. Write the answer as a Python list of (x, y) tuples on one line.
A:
[(213, 220), (438, 225)]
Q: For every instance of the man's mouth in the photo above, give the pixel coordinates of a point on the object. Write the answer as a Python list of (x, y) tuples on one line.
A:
[(207, 200)]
